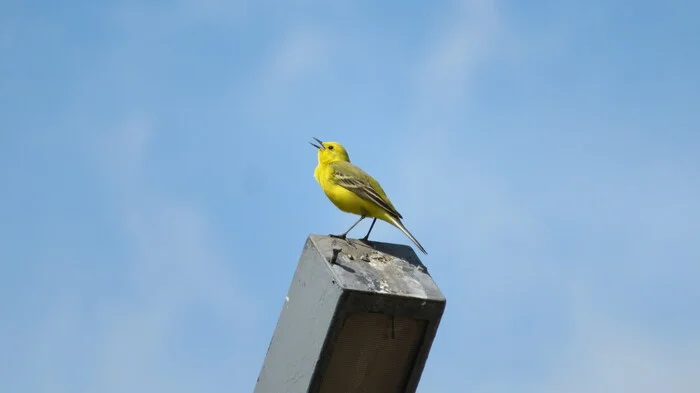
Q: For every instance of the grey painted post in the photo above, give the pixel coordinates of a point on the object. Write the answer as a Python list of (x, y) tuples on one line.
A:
[(356, 319)]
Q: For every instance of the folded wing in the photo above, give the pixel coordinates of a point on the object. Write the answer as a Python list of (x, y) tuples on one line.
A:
[(363, 185)]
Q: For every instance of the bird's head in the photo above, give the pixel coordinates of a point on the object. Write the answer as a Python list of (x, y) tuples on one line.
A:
[(330, 152)]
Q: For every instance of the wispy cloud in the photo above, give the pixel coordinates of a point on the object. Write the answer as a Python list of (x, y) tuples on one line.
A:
[(508, 256), (144, 21), (176, 306), (293, 58), (299, 53), (472, 33), (562, 233), (606, 355)]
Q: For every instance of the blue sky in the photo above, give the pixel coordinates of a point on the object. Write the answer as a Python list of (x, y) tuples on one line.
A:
[(157, 184)]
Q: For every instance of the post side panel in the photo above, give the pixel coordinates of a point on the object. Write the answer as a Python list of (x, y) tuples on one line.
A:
[(302, 327)]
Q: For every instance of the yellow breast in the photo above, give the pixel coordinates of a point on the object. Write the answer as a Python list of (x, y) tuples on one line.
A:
[(341, 197)]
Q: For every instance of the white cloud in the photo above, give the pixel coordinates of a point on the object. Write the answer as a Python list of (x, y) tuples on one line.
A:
[(602, 356), (176, 264), (298, 54), (609, 356), (476, 227), (456, 192), (174, 274), (144, 21), (470, 37)]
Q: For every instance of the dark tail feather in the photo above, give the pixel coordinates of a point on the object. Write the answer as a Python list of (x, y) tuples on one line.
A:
[(397, 223)]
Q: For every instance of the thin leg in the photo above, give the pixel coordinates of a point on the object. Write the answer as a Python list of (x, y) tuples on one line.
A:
[(366, 238), (344, 234)]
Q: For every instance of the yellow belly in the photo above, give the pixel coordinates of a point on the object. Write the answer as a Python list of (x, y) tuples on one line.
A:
[(348, 201)]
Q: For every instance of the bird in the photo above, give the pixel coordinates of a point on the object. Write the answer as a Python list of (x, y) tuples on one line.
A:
[(354, 191)]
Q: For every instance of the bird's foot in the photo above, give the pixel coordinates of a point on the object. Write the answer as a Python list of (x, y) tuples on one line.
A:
[(366, 241), (342, 237)]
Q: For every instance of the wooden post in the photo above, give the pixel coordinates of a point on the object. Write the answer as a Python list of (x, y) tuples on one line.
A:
[(356, 319)]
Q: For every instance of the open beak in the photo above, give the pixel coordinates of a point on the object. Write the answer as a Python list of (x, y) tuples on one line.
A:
[(320, 144)]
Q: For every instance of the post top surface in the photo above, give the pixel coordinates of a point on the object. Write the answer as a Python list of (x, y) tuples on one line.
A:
[(386, 268)]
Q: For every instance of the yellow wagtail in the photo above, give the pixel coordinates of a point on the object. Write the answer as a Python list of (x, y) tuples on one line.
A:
[(352, 190)]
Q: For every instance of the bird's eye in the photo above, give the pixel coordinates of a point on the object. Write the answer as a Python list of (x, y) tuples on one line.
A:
[(330, 147)]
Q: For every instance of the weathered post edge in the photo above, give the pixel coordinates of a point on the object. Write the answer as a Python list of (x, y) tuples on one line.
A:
[(334, 281)]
